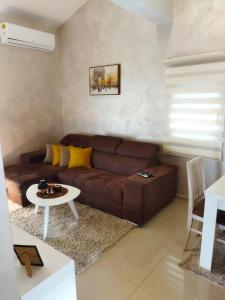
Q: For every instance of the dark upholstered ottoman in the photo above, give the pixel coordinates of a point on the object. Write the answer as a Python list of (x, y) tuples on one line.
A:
[(20, 177)]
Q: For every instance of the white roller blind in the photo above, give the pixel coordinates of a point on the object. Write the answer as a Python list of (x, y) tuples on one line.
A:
[(195, 118)]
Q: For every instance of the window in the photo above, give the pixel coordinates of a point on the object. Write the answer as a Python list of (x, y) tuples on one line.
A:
[(195, 118)]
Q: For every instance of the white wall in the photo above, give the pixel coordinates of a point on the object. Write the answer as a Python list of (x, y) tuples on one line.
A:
[(8, 286)]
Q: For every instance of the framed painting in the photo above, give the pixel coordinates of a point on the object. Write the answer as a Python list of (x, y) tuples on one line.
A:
[(104, 80)]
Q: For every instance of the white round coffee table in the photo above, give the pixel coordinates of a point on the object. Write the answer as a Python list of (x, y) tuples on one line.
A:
[(47, 203)]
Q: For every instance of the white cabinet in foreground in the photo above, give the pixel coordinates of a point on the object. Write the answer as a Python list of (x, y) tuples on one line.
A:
[(56, 280)]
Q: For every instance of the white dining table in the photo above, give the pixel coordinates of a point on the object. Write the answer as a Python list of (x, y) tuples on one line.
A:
[(214, 200)]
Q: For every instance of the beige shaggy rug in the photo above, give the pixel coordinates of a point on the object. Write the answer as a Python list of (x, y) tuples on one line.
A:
[(96, 231), (217, 274)]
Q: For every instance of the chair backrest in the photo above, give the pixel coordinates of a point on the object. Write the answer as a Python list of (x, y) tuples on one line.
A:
[(196, 184)]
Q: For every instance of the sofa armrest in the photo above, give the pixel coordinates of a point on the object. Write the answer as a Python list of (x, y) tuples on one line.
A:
[(33, 157), (144, 197)]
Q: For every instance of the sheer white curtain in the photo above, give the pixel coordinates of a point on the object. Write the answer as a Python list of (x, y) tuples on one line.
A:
[(195, 118)]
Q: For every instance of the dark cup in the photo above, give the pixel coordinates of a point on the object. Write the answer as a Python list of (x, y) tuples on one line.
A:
[(43, 185), (58, 188)]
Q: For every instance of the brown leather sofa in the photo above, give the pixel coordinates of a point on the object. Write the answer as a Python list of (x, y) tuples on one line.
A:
[(111, 184)]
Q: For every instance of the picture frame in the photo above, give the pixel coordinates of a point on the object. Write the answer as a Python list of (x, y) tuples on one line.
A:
[(32, 251), (105, 80)]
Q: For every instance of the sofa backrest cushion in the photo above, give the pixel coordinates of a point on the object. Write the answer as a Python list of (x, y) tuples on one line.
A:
[(114, 155), (77, 140), (138, 150), (106, 144), (118, 164)]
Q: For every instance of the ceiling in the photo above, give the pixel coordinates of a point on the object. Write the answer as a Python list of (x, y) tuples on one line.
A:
[(59, 11), (157, 11)]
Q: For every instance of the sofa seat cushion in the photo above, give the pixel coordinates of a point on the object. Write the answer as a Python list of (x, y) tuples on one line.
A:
[(20, 177), (94, 182)]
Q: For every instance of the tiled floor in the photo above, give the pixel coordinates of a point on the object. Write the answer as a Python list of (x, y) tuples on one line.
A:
[(144, 265)]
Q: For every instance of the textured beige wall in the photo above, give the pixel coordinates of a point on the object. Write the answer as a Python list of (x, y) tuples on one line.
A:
[(102, 33), (198, 27), (30, 105)]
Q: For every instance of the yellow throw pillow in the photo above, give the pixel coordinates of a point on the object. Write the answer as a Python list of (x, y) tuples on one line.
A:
[(80, 157), (56, 154)]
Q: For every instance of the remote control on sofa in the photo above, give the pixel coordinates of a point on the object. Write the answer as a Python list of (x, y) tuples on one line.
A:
[(145, 174)]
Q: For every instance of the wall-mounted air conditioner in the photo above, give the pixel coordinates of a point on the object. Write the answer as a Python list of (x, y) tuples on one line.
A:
[(21, 36)]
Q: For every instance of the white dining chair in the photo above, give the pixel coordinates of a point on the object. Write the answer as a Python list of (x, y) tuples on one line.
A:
[(196, 199)]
